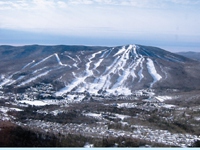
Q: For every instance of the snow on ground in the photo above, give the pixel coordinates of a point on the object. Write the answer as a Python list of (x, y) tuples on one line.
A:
[(6, 109), (122, 117), (168, 106), (141, 70), (163, 98), (35, 103), (39, 70), (152, 71), (96, 65), (120, 51), (72, 85), (78, 58), (77, 80), (126, 105), (28, 64), (197, 118), (88, 145), (71, 58), (59, 61), (34, 78), (6, 81), (16, 109), (43, 60), (99, 116), (95, 115)]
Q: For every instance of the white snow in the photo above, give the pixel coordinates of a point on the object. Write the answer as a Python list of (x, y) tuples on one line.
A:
[(78, 58), (71, 58), (6, 109), (120, 51), (169, 106), (78, 80), (122, 117), (28, 64), (43, 60), (35, 103), (152, 71), (59, 61), (6, 81), (104, 53), (57, 58), (88, 145), (97, 64), (39, 70), (34, 78), (70, 86), (95, 115), (197, 118), (109, 53), (126, 105), (141, 70), (163, 98), (16, 109), (134, 51)]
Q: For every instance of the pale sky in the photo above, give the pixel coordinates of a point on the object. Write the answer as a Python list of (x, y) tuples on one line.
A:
[(170, 24)]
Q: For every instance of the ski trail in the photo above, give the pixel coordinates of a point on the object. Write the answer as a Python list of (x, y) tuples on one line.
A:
[(14, 81), (141, 70), (123, 49), (152, 71), (109, 53), (129, 71), (78, 58), (162, 70), (97, 64), (78, 80), (135, 52), (59, 61), (104, 53), (43, 60), (34, 78), (103, 81), (6, 81), (39, 70), (28, 64), (71, 58), (57, 58)]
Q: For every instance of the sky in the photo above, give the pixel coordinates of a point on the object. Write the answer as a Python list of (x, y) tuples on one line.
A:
[(170, 24)]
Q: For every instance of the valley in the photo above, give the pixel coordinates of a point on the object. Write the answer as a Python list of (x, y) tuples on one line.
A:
[(124, 96)]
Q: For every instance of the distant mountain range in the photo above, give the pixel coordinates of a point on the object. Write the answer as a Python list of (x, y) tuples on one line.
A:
[(96, 70), (191, 55)]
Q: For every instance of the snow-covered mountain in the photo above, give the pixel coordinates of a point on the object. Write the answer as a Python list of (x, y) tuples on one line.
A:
[(96, 70)]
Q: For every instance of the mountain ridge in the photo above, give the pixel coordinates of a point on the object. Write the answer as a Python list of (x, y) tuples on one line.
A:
[(190, 54), (97, 70)]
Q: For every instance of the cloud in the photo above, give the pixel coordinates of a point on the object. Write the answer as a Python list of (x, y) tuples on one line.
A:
[(50, 4), (114, 18), (184, 2)]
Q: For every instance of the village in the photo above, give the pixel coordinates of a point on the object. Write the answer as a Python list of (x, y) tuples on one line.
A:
[(142, 115)]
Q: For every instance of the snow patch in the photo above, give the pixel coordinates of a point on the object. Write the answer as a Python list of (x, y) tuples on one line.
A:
[(28, 64), (95, 115), (34, 78), (152, 71), (163, 98), (34, 103), (122, 117)]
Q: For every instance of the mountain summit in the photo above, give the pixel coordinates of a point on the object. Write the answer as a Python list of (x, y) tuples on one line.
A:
[(96, 70)]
